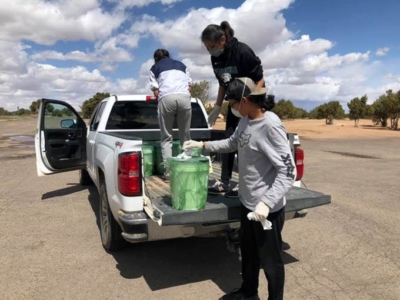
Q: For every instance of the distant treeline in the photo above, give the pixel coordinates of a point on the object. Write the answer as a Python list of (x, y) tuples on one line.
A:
[(384, 110)]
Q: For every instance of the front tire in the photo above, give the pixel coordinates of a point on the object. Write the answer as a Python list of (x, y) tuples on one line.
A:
[(110, 230)]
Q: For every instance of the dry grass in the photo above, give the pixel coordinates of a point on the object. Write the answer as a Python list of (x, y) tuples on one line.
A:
[(341, 129)]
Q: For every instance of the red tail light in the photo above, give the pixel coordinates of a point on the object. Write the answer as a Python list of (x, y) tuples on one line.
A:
[(129, 174), (151, 98), (299, 160)]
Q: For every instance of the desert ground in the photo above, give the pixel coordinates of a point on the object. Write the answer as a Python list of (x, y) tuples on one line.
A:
[(51, 249), (340, 129)]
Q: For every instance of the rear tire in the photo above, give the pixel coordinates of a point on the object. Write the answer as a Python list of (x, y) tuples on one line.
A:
[(110, 230), (84, 178)]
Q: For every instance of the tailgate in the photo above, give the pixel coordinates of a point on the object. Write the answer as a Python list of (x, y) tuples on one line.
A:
[(218, 208)]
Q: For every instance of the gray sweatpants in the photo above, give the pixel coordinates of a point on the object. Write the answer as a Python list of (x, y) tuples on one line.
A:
[(169, 107)]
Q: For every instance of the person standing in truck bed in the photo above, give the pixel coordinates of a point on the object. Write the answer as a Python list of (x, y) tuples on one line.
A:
[(170, 82), (230, 59)]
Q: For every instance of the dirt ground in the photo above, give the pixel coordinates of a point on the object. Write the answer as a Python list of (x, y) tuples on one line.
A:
[(340, 129), (350, 249)]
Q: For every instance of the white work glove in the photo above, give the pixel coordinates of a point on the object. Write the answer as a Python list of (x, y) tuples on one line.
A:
[(260, 214), (192, 145), (213, 116), (261, 211)]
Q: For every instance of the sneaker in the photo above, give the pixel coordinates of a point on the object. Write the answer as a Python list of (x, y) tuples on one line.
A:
[(238, 295), (218, 188), (166, 177), (233, 193)]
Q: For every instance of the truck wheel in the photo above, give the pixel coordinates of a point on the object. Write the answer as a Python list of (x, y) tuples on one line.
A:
[(110, 230), (84, 178)]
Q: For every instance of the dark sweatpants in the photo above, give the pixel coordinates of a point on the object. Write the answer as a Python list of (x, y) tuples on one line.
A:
[(228, 159), (261, 247)]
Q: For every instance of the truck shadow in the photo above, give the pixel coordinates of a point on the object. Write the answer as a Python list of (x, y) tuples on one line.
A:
[(73, 188), (171, 263)]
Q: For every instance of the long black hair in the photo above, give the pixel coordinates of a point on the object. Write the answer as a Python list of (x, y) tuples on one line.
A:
[(215, 32), (159, 54), (235, 90)]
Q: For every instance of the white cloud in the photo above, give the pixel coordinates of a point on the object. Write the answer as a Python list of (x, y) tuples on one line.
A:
[(46, 22), (382, 51), (295, 67), (124, 4)]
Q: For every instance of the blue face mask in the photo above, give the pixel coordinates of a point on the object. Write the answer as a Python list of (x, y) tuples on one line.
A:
[(216, 52)]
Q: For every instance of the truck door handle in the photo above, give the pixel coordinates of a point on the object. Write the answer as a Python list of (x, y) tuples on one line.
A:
[(71, 135)]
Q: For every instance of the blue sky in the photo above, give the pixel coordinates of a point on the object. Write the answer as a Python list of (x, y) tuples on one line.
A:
[(312, 51)]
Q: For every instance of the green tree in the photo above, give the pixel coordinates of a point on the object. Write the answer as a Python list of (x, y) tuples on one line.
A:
[(49, 109), (328, 111), (380, 112), (357, 109), (4, 112), (89, 105), (201, 90), (34, 107), (392, 102), (57, 113), (22, 111), (300, 113), (285, 109)]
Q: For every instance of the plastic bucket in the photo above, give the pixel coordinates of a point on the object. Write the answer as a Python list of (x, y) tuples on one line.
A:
[(148, 159), (159, 165), (176, 150), (188, 182)]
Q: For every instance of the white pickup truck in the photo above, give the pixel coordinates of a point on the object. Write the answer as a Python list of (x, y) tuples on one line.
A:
[(108, 153)]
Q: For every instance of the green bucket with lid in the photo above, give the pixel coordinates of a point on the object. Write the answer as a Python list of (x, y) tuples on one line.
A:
[(189, 182)]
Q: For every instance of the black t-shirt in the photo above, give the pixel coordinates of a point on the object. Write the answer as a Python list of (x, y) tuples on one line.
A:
[(238, 60)]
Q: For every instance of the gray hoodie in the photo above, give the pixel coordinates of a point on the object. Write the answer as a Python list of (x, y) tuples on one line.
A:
[(266, 166)]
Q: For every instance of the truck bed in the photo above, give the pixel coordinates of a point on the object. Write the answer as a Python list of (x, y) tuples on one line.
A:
[(218, 208)]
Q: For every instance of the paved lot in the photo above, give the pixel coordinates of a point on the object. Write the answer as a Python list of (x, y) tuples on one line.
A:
[(51, 249)]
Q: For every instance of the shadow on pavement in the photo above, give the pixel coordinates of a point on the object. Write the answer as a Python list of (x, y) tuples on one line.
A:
[(64, 191), (170, 263)]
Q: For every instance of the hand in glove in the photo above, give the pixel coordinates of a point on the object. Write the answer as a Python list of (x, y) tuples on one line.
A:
[(192, 145), (213, 116), (261, 212)]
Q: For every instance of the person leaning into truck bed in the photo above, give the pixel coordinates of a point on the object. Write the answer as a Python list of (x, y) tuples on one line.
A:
[(170, 82), (230, 59), (266, 173)]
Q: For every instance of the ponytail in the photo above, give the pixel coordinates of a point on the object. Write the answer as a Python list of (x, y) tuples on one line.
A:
[(229, 32), (215, 32)]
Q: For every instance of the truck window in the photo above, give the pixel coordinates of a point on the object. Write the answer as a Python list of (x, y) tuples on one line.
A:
[(96, 118), (144, 115), (59, 116)]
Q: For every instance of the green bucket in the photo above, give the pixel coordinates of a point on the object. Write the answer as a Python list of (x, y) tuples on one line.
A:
[(188, 182), (160, 169), (176, 150), (148, 159)]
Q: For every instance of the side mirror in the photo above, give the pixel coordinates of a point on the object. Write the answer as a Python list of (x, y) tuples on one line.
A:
[(68, 123)]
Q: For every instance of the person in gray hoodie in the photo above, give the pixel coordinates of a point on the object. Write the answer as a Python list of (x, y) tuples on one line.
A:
[(266, 173)]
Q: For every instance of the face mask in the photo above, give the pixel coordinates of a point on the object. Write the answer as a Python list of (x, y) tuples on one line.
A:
[(235, 112), (216, 52)]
